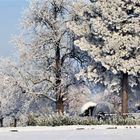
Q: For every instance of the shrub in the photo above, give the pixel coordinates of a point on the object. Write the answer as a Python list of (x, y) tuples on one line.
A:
[(60, 120), (32, 120)]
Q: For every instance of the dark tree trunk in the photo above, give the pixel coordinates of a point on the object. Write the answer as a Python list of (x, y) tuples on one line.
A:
[(60, 106), (1, 122), (15, 122), (59, 98), (124, 93)]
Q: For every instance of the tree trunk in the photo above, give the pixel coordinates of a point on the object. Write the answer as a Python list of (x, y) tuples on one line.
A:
[(59, 98), (124, 93), (60, 106), (1, 122)]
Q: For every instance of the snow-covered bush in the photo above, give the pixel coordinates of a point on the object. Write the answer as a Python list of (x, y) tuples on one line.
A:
[(87, 109), (59, 120), (103, 110)]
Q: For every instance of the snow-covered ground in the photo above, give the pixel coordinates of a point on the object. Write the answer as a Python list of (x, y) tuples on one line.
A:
[(71, 133)]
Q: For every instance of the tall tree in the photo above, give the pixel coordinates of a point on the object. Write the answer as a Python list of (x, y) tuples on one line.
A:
[(47, 51), (110, 32)]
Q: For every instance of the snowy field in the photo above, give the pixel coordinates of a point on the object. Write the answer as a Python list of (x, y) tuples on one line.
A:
[(72, 133)]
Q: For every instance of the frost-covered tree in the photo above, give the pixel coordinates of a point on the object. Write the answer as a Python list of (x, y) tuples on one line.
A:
[(77, 97), (10, 89), (17, 100), (110, 32), (48, 56)]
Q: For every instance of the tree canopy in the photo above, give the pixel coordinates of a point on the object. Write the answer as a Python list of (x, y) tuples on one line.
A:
[(110, 32)]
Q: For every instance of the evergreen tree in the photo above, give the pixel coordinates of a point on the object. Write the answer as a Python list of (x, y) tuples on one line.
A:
[(110, 32)]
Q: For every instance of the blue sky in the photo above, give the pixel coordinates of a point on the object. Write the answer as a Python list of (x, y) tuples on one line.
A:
[(10, 15)]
